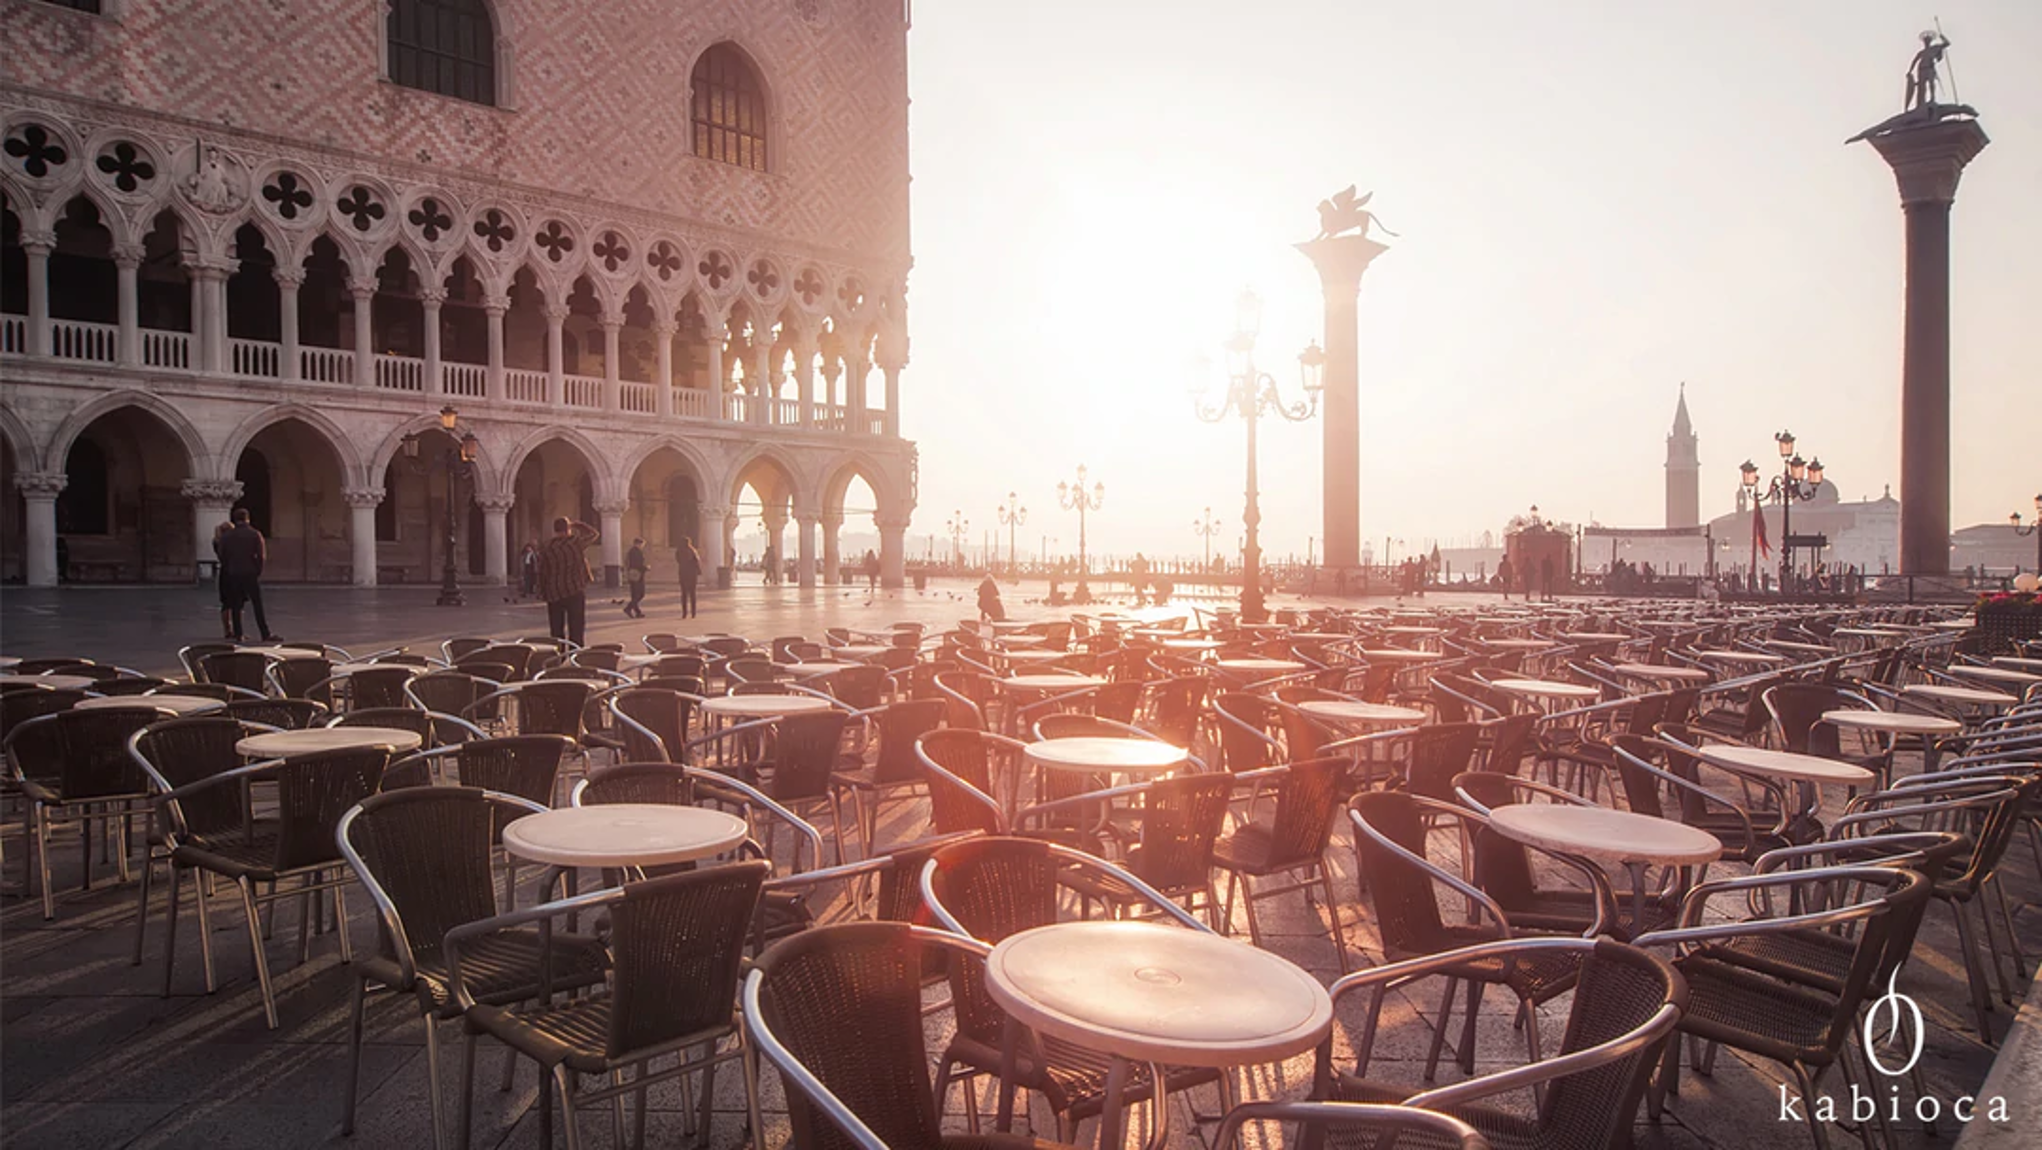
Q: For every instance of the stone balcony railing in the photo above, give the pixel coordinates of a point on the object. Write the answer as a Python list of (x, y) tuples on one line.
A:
[(81, 342)]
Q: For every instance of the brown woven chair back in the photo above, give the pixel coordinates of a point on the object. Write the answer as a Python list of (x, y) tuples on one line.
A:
[(963, 753), (1400, 891), (1174, 708), (677, 665), (186, 751), (191, 655), (994, 887), (1241, 715), (516, 656), (236, 668), (665, 784), (677, 943), (449, 692), (805, 750), (1647, 712), (461, 648), (1620, 989), (755, 669), (1680, 704), (870, 971), (551, 707), (900, 724), (401, 718), (783, 648), (521, 765), (428, 849), (1508, 740), (685, 684), (1117, 700), (1307, 799), (1181, 818), (221, 691), (1438, 753), (1641, 789), (862, 687), (1303, 736), (600, 658), (726, 646), (1798, 708), (662, 642), (297, 676), (313, 791), (90, 750), (665, 713), (379, 687), (23, 705)]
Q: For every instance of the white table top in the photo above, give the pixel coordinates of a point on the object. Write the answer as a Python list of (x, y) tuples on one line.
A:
[(1087, 753), (1785, 764), (1668, 674), (1420, 631), (176, 704), (1596, 636), (53, 682), (1520, 644), (1954, 624), (1800, 647), (1757, 657), (1020, 640), (9, 662), (861, 650), (623, 834), (283, 744), (1994, 674), (1158, 993), (1605, 835), (1024, 657), (1047, 681), (1969, 696), (764, 706), (1868, 632), (811, 670), (1892, 722), (1192, 644), (1361, 714), (1546, 688), (1398, 654), (1011, 626), (351, 668), (1263, 666), (630, 662), (2017, 662)]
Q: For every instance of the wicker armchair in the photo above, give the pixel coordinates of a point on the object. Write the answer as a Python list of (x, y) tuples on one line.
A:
[(283, 714), (248, 670), (651, 723), (1358, 1124), (894, 769), (173, 753), (423, 856), (448, 692), (1176, 825), (296, 677), (791, 759), (74, 765), (676, 952), (958, 765), (1289, 844)]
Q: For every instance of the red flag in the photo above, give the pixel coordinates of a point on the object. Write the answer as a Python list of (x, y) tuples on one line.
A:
[(1765, 547)]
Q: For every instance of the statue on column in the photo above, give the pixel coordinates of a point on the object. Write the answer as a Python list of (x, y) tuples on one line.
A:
[(1923, 105), (1346, 212), (1921, 73)]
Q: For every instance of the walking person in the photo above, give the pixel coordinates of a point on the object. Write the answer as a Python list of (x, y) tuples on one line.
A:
[(1503, 576), (634, 578), (528, 564), (242, 551), (1546, 578), (871, 565), (690, 562), (770, 564), (564, 578)]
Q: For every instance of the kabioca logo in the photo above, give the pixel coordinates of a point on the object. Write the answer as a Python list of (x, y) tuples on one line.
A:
[(1882, 1036)]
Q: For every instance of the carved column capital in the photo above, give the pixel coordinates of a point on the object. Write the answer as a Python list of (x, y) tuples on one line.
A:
[(38, 241), (496, 304), (361, 287), (211, 492), (40, 484), (890, 521), (128, 257), (555, 313), (363, 496), (711, 511), (612, 506), (496, 504), (432, 296), (287, 276)]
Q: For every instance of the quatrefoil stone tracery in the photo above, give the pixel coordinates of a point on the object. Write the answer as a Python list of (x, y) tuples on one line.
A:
[(764, 278), (494, 230), (430, 219), (288, 193), (37, 150), (611, 249), (124, 162), (360, 207), (715, 270), (663, 260), (554, 240)]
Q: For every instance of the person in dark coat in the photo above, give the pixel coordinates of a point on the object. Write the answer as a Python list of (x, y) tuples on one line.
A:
[(989, 606), (530, 570), (690, 562), (871, 565), (634, 578), (1504, 575), (242, 552)]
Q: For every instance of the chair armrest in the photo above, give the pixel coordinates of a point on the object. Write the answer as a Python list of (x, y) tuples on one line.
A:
[(1387, 1119), (1413, 969), (1453, 882), (751, 796), (505, 921), (1624, 1045)]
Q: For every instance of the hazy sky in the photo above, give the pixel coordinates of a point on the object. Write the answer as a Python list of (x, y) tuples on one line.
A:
[(1597, 201)]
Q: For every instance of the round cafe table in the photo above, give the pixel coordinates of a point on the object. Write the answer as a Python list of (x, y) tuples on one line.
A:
[(1663, 674), (1893, 723), (1398, 655), (1601, 835), (1249, 668), (2017, 662), (2018, 679), (285, 744), (9, 662), (763, 706), (1025, 658), (1799, 647), (1753, 658), (1520, 644), (814, 670), (1961, 696), (860, 650), (1089, 754), (1046, 681), (1808, 773), (1596, 636), (176, 704), (53, 682), (1021, 640), (1142, 992), (1356, 713), (1192, 644), (1547, 689), (623, 835)]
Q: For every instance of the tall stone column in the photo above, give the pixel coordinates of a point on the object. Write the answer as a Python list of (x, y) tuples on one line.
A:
[(893, 554), (761, 377), (495, 537), (494, 307), (663, 375), (714, 555), (1341, 260), (556, 372), (127, 261), (1927, 154), (856, 369), (893, 356), (804, 377), (612, 514), (805, 523), (364, 293), (613, 388), (37, 246), (832, 555), (289, 280), (212, 502), (776, 541), (39, 490), (430, 300), (361, 508), (715, 332), (216, 311)]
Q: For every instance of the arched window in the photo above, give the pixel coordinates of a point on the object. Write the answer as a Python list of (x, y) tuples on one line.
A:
[(729, 109), (252, 472), (386, 511), (81, 506), (444, 46)]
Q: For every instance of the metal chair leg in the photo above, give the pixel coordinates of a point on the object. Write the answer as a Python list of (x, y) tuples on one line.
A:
[(354, 1057), (269, 1004), (142, 909), (170, 929), (1446, 1005), (432, 1070), (39, 818), (564, 1079), (198, 890)]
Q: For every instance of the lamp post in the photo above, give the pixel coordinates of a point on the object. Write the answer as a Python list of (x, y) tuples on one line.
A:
[(1012, 515), (462, 447), (1798, 480), (1074, 497), (1249, 394), (958, 526), (2034, 529), (1208, 527)]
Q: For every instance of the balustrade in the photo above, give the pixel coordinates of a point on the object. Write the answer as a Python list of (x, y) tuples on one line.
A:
[(584, 391), (326, 365), (77, 339), (468, 380), (253, 357), (786, 412), (694, 403), (166, 349), (400, 373), (639, 398), (14, 334), (522, 386)]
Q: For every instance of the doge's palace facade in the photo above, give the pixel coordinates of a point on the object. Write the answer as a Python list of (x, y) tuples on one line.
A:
[(653, 255)]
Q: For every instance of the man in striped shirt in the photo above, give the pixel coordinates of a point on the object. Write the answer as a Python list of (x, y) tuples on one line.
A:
[(564, 577)]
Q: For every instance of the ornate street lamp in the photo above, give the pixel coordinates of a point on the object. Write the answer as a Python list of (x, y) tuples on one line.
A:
[(959, 527), (1249, 394), (1208, 527), (1074, 497), (1012, 515), (2034, 529), (1798, 480), (462, 449)]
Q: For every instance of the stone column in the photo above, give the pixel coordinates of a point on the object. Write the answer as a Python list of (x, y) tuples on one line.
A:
[(216, 290), (199, 306), (361, 507), (556, 374), (776, 538), (714, 334), (612, 514), (761, 376), (613, 389), (38, 246), (857, 368), (832, 558), (127, 260), (1341, 260), (805, 523), (212, 502), (430, 300), (39, 490), (494, 307), (364, 293), (893, 356), (496, 537), (663, 375), (711, 544), (804, 377), (1927, 158), (290, 367), (892, 549)]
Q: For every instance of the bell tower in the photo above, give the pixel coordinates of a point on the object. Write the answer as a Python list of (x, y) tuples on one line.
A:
[(1683, 470)]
